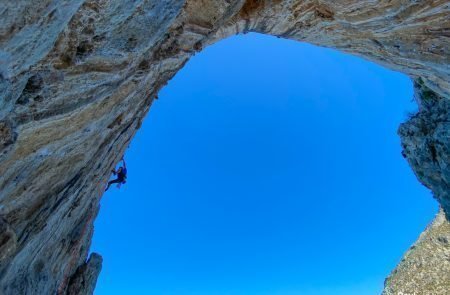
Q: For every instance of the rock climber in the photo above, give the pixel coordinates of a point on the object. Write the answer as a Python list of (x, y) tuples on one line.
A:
[(121, 175)]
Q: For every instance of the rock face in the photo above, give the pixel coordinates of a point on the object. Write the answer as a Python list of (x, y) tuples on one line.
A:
[(78, 76), (83, 281), (424, 269), (425, 141)]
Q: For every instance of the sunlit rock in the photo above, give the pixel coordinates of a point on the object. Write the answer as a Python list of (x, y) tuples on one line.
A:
[(77, 78)]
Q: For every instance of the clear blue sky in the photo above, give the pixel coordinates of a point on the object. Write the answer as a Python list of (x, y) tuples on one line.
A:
[(267, 166)]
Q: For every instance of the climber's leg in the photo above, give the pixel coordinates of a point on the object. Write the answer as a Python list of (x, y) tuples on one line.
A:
[(112, 182)]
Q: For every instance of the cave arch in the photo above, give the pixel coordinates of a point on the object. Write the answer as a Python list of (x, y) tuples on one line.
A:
[(77, 78), (175, 139)]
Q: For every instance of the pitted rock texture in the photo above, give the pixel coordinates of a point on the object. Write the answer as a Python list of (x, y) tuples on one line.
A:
[(424, 268), (83, 281), (426, 142), (77, 78)]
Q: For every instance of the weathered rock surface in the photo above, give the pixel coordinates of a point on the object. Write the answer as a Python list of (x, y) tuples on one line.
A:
[(424, 268), (83, 281), (426, 142), (78, 76)]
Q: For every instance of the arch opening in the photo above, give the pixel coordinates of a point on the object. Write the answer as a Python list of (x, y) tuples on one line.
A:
[(266, 133), (99, 68)]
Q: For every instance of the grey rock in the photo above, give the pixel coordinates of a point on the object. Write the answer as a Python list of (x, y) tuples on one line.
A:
[(77, 78), (8, 241), (425, 140), (83, 280), (424, 269)]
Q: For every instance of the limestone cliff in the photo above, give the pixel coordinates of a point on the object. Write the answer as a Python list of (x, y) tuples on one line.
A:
[(424, 269), (78, 76)]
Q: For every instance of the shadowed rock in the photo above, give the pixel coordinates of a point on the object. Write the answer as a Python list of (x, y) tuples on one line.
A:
[(77, 78), (83, 280)]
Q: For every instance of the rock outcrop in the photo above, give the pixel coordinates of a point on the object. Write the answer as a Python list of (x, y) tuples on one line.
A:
[(77, 77), (424, 269)]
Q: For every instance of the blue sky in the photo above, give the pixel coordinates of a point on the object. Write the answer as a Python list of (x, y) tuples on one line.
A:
[(267, 166)]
